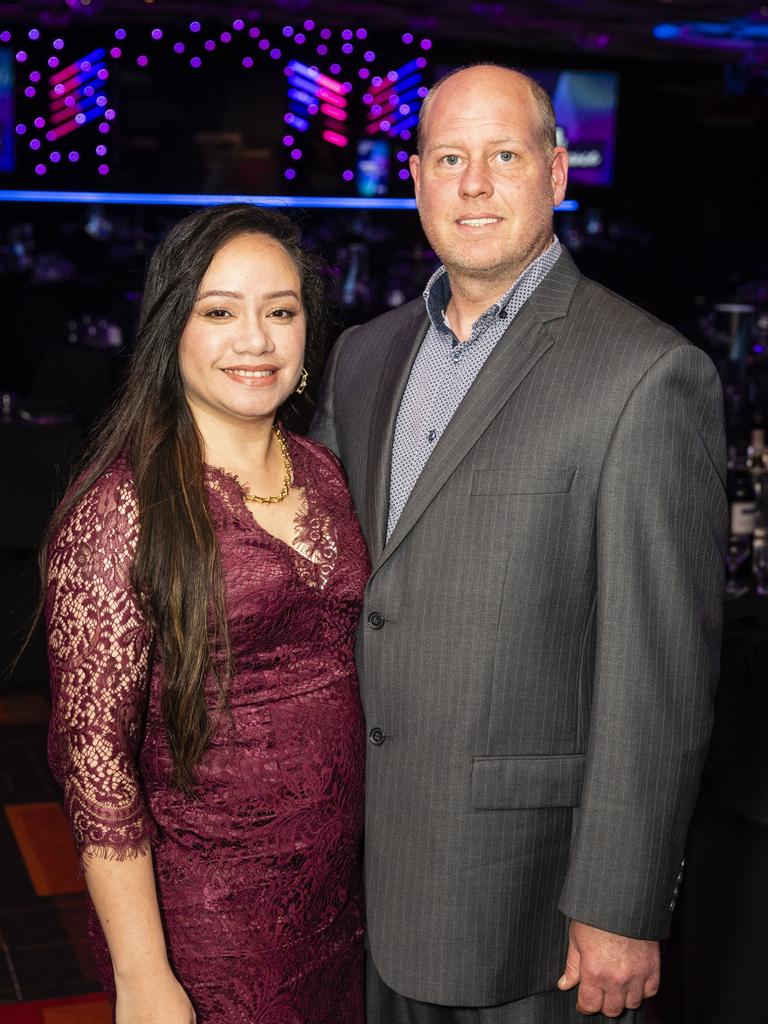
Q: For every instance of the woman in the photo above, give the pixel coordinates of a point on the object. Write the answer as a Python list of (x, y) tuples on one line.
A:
[(205, 574)]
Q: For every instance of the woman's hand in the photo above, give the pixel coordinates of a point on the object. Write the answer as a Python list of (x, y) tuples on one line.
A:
[(153, 999)]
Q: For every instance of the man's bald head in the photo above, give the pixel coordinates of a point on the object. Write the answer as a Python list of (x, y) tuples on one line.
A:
[(540, 97)]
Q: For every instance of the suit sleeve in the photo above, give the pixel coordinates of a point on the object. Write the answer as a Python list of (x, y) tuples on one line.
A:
[(660, 536), (323, 426)]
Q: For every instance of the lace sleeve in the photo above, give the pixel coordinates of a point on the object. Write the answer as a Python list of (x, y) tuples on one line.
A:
[(98, 650)]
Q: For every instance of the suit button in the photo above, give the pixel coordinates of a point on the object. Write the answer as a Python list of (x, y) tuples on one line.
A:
[(377, 736), (375, 620)]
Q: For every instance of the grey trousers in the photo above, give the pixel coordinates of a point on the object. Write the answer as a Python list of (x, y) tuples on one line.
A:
[(383, 1006)]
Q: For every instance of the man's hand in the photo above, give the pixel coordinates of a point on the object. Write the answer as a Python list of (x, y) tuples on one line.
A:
[(613, 972)]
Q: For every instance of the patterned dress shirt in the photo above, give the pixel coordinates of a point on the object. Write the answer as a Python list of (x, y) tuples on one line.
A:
[(444, 370)]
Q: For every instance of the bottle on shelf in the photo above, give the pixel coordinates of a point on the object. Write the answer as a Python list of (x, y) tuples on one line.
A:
[(741, 501), (757, 464)]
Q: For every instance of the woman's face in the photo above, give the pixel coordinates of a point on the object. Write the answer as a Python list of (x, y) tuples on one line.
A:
[(242, 350)]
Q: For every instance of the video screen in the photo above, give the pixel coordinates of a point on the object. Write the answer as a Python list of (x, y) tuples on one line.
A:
[(585, 105), (7, 154)]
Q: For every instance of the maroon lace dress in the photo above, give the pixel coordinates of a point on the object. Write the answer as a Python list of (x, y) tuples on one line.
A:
[(258, 879)]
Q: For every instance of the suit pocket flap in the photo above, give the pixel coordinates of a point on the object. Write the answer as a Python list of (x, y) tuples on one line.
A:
[(540, 481), (527, 782)]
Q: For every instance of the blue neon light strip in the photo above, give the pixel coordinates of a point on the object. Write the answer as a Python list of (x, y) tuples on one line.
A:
[(193, 199)]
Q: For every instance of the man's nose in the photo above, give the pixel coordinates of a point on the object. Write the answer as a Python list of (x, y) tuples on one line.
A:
[(476, 179)]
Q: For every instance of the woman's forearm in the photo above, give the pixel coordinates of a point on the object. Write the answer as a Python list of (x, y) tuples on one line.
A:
[(125, 898)]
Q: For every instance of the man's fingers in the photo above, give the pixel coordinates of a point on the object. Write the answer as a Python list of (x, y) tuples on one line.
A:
[(572, 973), (651, 986), (634, 997), (590, 998)]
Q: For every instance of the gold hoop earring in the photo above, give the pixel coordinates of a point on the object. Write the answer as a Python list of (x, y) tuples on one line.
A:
[(301, 387)]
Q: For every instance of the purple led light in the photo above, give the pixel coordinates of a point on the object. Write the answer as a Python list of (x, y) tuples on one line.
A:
[(402, 155), (179, 47), (423, 90), (407, 37), (195, 62), (348, 175), (101, 149), (325, 33), (288, 118), (34, 76), (346, 87), (290, 174), (299, 38), (88, 90), (55, 156), (296, 154), (120, 33), (34, 33), (40, 169), (247, 62), (347, 33), (322, 49), (403, 175), (39, 122), (312, 108), (70, 100), (376, 109), (21, 129), (254, 32), (110, 114), (73, 156), (347, 48), (385, 126), (21, 56), (309, 25), (115, 52), (80, 118), (426, 44), (5, 37), (102, 74), (275, 54), (287, 31), (30, 91), (238, 24), (404, 108), (209, 45), (51, 136), (103, 127), (58, 44), (226, 37), (335, 69), (85, 65), (369, 55), (264, 44), (362, 33), (142, 60), (157, 33), (368, 99), (101, 101), (103, 169), (34, 143), (376, 81), (195, 26), (421, 62), (287, 140), (364, 73), (392, 76)]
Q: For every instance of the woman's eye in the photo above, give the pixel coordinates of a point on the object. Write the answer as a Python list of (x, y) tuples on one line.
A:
[(283, 314), (218, 313)]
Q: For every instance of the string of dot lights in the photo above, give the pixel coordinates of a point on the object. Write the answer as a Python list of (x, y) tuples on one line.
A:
[(67, 114)]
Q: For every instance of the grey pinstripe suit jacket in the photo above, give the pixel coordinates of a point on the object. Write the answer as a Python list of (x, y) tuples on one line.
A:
[(544, 673)]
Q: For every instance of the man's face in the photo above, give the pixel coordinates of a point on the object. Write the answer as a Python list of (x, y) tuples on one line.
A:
[(485, 188)]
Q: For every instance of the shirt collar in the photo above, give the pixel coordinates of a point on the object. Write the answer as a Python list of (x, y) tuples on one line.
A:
[(437, 293)]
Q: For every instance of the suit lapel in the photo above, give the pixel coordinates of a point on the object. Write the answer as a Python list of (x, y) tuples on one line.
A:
[(402, 349)]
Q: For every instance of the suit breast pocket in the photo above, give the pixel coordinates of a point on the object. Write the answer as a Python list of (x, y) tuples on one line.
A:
[(554, 480), (527, 782)]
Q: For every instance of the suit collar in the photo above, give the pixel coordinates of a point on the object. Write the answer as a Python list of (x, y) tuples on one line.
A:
[(519, 349)]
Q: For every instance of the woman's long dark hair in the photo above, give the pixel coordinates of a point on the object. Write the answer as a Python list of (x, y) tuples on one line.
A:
[(176, 571)]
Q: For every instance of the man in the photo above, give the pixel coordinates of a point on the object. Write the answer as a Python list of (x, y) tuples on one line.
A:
[(538, 469)]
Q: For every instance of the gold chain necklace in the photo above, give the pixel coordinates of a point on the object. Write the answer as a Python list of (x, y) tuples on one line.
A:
[(287, 475)]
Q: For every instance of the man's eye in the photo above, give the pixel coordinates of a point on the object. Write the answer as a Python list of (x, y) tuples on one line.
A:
[(451, 160), (506, 156)]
